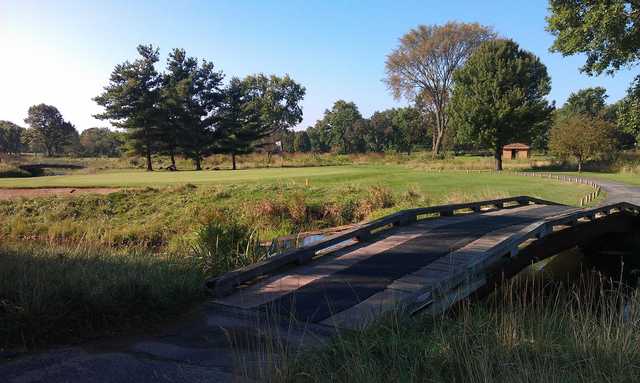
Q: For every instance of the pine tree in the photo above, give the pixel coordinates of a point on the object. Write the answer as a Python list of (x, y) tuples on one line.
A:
[(131, 101)]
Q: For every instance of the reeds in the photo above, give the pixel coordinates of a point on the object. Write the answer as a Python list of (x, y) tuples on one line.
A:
[(528, 331)]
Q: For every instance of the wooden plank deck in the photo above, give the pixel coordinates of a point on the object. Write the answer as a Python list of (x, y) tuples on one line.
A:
[(412, 264)]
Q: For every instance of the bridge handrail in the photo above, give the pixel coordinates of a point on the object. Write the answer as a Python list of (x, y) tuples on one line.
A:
[(228, 282), (511, 245)]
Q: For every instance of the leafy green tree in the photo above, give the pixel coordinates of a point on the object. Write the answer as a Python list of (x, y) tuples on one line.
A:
[(287, 140), (131, 102), (499, 96), (254, 111), (320, 137), (422, 67), (100, 142), (379, 137), (48, 129), (628, 111), (301, 142), (11, 138), (608, 32), (409, 129), (590, 101), (340, 123), (276, 99), (582, 137), (191, 93)]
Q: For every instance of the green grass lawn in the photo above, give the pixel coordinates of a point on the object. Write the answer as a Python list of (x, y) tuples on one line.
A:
[(398, 178)]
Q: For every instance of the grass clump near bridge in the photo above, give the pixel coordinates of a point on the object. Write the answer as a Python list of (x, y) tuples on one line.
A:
[(73, 267), (529, 331)]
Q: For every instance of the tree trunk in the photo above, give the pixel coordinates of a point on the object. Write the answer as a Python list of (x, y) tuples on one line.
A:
[(437, 143), (173, 160), (498, 158), (198, 162), (579, 165), (233, 161), (438, 131), (149, 166)]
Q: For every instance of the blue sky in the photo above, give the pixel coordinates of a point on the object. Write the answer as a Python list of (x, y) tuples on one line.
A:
[(62, 52)]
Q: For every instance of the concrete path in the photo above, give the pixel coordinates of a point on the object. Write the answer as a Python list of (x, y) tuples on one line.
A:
[(337, 291)]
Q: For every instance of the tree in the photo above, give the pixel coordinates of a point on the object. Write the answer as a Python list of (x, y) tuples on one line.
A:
[(499, 96), (301, 142), (190, 93), (239, 126), (287, 140), (423, 66), (340, 124), (255, 109), (408, 129), (276, 100), (320, 137), (131, 101), (590, 101), (49, 130), (628, 111), (100, 142), (606, 31), (582, 137), (380, 133), (11, 136)]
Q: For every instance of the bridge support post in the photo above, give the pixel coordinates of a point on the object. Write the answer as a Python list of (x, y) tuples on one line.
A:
[(305, 257), (364, 236), (446, 213)]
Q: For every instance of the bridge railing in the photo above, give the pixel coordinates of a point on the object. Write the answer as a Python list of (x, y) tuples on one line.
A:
[(228, 282), (445, 290)]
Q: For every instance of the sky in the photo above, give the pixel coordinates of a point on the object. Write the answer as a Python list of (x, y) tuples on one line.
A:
[(62, 52)]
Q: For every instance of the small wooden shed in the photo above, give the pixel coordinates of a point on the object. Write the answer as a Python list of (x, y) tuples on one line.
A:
[(515, 151)]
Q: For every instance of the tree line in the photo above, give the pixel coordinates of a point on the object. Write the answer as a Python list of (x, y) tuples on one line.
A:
[(48, 133), (344, 130), (187, 109)]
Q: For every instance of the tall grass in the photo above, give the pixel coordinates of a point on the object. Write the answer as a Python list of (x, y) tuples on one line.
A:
[(531, 331), (222, 246), (50, 295)]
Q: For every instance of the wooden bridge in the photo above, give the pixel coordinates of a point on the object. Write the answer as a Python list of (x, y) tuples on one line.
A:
[(415, 260)]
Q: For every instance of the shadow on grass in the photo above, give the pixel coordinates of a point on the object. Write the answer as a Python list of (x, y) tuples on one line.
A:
[(64, 295)]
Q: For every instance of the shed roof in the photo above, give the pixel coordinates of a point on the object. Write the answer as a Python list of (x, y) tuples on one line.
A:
[(517, 145)]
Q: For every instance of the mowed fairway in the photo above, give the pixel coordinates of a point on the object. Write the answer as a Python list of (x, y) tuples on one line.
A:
[(398, 178)]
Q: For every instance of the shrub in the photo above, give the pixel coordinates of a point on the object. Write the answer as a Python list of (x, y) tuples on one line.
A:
[(221, 246)]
